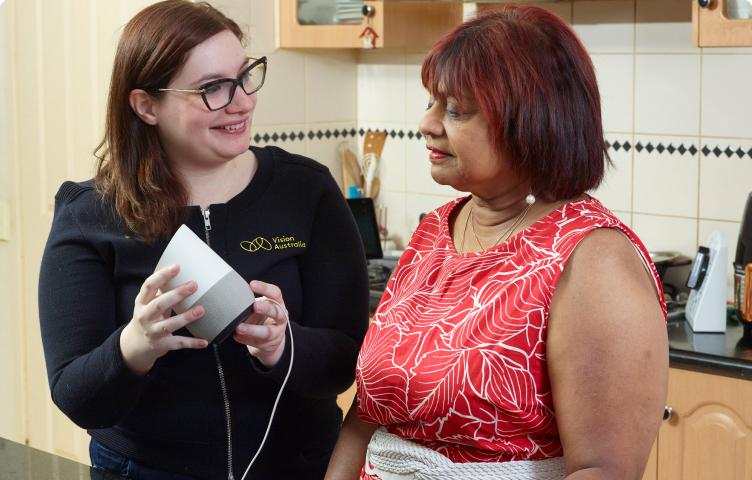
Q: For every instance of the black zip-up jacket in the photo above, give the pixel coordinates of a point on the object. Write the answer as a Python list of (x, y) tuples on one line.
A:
[(291, 227)]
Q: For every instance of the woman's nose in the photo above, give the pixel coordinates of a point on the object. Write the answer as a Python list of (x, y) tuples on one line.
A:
[(430, 125)]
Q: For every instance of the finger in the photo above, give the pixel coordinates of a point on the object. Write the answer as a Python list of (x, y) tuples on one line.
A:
[(154, 282), (172, 324), (176, 342), (166, 301), (272, 310), (258, 334), (267, 290), (255, 319), (250, 342)]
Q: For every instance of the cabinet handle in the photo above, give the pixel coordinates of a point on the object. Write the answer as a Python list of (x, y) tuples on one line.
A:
[(704, 3), (668, 413)]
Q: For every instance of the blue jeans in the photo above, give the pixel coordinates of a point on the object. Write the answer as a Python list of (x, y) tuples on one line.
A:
[(103, 458)]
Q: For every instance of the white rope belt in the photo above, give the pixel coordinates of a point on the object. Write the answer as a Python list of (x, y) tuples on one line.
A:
[(390, 457)]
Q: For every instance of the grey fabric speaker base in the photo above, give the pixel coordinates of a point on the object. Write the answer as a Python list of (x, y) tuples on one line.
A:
[(226, 304), (221, 336)]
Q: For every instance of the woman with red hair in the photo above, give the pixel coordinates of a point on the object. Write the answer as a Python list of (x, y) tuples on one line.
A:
[(522, 334)]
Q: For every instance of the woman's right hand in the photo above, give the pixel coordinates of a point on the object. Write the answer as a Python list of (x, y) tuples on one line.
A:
[(148, 335)]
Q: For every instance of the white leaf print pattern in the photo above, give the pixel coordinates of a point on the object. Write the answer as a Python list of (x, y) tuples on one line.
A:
[(456, 357)]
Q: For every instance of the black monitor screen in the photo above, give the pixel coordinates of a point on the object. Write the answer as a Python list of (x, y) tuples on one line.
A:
[(365, 217)]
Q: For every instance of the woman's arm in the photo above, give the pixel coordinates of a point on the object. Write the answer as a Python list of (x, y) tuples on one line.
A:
[(350, 450), (335, 303), (607, 351), (88, 377)]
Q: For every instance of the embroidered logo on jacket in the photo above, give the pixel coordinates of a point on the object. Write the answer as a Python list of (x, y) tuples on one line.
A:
[(276, 243)]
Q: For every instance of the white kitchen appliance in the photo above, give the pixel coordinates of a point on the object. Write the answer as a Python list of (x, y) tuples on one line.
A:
[(706, 306)]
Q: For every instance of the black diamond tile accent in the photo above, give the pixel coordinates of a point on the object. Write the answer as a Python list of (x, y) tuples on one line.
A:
[(353, 132), (257, 138), (401, 134), (671, 149), (739, 152), (343, 132), (336, 133), (275, 137), (283, 137), (328, 134), (627, 147), (319, 134), (410, 134), (311, 134), (266, 137), (361, 132), (749, 152), (392, 134), (639, 146), (717, 151), (617, 145), (660, 148), (705, 150), (649, 147), (681, 149), (418, 135), (728, 152)]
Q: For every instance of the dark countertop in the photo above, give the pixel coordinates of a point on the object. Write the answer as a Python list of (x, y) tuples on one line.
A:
[(728, 354), (21, 462)]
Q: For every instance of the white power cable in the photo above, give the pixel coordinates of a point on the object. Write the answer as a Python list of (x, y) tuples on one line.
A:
[(281, 388)]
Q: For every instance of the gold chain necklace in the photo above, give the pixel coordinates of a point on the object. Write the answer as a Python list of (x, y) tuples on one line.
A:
[(519, 218)]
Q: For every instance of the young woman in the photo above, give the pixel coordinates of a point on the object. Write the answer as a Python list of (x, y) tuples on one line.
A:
[(158, 403)]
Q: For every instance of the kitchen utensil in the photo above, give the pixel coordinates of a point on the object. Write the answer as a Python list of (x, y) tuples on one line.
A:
[(374, 142), (373, 192)]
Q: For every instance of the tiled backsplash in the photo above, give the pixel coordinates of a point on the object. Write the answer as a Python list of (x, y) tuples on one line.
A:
[(676, 117)]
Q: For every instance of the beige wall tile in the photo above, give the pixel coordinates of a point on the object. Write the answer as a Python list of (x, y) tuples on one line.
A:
[(324, 150), (282, 98), (664, 27), (263, 26), (331, 80), (667, 233), (416, 97), (725, 180), (605, 26), (665, 183), (616, 84), (381, 87), (667, 94), (726, 95), (616, 190)]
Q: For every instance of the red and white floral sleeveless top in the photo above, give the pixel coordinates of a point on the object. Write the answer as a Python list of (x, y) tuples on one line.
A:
[(455, 358)]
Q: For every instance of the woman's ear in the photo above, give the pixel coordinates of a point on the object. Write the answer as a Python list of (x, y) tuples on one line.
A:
[(144, 105)]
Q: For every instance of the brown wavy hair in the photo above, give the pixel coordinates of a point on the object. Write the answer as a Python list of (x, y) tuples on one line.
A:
[(133, 175)]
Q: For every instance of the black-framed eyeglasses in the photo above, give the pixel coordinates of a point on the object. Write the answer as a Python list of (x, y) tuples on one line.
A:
[(217, 94)]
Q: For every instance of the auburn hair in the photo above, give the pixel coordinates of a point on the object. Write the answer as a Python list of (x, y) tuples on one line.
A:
[(132, 173), (533, 81)]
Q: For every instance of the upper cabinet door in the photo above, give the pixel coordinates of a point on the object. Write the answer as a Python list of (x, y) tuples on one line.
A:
[(722, 23), (413, 25)]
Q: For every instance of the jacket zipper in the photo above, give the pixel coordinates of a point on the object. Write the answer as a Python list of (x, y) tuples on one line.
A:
[(220, 370)]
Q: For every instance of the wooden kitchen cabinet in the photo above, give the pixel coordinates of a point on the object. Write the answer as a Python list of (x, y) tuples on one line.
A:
[(414, 25), (715, 26), (709, 434)]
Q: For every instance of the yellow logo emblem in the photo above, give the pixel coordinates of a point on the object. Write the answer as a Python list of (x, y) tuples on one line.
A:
[(258, 243)]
